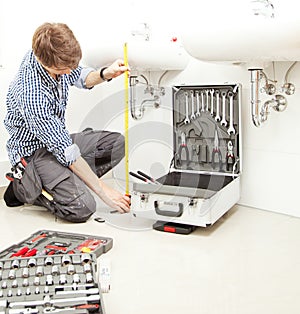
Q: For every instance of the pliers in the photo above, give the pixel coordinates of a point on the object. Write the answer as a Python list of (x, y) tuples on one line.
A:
[(216, 153), (230, 158), (183, 146)]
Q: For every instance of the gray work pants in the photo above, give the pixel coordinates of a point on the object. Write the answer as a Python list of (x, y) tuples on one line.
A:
[(72, 199)]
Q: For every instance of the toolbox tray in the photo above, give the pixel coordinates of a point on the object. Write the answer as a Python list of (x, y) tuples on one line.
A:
[(42, 284), (48, 242), (186, 184)]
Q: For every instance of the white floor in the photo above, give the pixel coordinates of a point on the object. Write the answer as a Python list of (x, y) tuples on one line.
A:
[(247, 263)]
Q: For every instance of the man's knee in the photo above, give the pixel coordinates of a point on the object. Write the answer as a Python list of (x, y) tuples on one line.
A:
[(79, 210), (118, 151)]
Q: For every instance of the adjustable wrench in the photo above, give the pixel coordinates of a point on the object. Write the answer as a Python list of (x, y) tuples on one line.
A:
[(217, 117), (212, 91), (223, 121), (231, 129), (187, 120), (198, 104), (193, 117)]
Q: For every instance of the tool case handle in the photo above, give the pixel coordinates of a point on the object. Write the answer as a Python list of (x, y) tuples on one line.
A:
[(168, 209)]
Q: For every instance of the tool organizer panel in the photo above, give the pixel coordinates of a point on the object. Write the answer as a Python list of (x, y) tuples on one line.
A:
[(206, 126), (204, 181), (50, 284), (47, 242)]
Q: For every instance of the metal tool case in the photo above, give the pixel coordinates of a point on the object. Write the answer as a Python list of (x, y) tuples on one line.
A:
[(204, 182)]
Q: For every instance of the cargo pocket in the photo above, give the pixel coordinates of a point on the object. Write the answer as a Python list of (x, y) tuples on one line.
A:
[(29, 188), (72, 200)]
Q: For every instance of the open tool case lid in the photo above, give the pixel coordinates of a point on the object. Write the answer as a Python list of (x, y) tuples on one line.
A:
[(206, 141), (47, 242), (206, 120)]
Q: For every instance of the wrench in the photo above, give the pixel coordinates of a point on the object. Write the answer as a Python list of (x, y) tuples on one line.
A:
[(223, 121), (87, 291), (212, 101), (231, 129), (198, 104), (202, 101), (48, 300), (193, 117), (207, 92), (187, 120), (218, 118)]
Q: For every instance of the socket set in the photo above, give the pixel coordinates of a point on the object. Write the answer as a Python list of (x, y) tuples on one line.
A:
[(60, 283), (51, 243)]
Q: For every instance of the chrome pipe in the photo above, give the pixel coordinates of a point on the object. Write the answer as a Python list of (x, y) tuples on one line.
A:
[(254, 95)]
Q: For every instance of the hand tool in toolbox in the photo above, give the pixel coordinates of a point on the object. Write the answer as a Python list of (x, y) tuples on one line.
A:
[(147, 177), (63, 283), (216, 158), (142, 178), (47, 242), (203, 181)]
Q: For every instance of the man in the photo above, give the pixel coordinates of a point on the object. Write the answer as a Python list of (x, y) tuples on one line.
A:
[(44, 156)]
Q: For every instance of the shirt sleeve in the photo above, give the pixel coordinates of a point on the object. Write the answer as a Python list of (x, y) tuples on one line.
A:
[(78, 76)]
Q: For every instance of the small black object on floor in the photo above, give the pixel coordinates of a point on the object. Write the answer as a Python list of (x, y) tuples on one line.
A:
[(173, 227)]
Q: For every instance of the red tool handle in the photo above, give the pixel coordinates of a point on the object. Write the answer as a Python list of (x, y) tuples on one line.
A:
[(21, 252), (30, 253), (43, 235)]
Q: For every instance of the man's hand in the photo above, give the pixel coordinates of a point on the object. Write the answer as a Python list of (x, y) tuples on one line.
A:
[(115, 69), (109, 196), (122, 202)]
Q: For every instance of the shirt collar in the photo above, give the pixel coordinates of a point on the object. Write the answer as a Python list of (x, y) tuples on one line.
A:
[(44, 74)]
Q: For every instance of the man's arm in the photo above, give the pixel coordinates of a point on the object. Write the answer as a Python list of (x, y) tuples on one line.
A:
[(114, 70), (112, 198)]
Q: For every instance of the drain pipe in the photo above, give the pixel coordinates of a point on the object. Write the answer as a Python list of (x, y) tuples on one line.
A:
[(132, 83), (254, 95), (279, 103)]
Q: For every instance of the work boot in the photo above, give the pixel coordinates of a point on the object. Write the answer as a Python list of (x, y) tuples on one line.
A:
[(10, 197)]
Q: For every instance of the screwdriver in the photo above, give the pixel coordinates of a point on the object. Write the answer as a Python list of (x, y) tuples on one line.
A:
[(147, 177), (141, 178)]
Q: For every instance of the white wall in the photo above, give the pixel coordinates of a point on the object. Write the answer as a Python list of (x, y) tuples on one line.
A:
[(271, 154)]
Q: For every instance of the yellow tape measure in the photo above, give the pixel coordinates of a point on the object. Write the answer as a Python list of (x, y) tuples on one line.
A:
[(126, 122)]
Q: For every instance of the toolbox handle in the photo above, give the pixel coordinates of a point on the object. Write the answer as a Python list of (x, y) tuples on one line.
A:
[(170, 213)]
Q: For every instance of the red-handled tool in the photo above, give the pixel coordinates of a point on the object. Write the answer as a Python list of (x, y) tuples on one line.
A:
[(21, 252), (31, 252), (41, 236)]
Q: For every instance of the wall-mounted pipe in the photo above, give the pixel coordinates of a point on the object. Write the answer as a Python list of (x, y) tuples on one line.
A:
[(137, 112), (260, 115), (254, 95)]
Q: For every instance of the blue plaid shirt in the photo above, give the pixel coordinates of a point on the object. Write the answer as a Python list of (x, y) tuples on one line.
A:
[(36, 105)]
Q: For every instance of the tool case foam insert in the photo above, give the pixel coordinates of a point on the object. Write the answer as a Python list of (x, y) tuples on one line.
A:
[(60, 273), (204, 182)]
